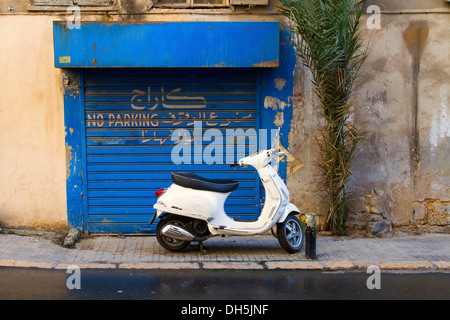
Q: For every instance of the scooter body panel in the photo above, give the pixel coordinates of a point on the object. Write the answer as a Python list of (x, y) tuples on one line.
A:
[(277, 198)]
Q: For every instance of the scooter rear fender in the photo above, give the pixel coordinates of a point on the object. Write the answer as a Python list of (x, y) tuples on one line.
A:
[(193, 203)]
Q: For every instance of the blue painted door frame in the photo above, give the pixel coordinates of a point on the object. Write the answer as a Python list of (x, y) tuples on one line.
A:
[(275, 101)]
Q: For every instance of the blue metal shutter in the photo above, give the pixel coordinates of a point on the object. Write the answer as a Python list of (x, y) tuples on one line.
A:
[(129, 118)]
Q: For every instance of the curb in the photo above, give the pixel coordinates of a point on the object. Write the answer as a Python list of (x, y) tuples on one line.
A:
[(343, 265)]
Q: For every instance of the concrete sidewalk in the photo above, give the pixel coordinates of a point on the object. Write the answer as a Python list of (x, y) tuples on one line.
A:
[(422, 252)]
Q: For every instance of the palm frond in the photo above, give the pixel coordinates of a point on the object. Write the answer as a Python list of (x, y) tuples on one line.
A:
[(326, 34)]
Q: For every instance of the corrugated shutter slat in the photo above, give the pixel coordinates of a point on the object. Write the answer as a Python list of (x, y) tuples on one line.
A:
[(129, 118)]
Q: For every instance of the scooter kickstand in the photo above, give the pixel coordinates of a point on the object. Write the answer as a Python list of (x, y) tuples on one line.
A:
[(202, 248)]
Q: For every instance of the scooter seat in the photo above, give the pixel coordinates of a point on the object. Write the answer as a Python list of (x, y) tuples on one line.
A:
[(191, 180)]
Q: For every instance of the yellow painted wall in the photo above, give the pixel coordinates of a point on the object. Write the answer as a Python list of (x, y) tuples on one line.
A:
[(32, 164)]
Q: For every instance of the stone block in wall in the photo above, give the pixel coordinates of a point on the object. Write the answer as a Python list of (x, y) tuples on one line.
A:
[(439, 213), (378, 226), (419, 213)]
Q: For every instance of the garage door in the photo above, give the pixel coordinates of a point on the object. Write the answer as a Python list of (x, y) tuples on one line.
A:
[(133, 121)]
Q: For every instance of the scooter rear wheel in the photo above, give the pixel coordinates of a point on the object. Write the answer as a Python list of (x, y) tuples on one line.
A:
[(290, 234), (167, 242)]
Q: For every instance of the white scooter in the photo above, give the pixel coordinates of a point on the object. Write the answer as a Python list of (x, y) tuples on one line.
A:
[(193, 208)]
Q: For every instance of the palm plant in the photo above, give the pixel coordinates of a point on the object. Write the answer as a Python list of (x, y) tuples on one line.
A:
[(326, 34)]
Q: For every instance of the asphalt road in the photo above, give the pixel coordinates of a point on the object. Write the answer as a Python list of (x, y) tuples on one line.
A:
[(198, 285)]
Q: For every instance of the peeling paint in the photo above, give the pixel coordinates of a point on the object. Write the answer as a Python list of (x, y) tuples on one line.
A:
[(68, 160), (270, 64), (294, 164), (280, 83), (71, 160), (274, 103), (279, 119), (74, 163), (71, 83)]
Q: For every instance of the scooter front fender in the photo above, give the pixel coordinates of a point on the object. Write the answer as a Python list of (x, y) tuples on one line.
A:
[(290, 208)]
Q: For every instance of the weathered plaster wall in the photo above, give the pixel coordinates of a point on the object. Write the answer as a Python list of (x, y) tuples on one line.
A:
[(405, 104), (401, 175), (32, 173), (403, 5)]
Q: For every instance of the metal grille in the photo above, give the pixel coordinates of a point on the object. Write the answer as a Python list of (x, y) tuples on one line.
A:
[(129, 120)]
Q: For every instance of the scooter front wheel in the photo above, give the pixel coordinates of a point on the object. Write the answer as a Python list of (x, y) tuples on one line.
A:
[(167, 242), (290, 234)]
